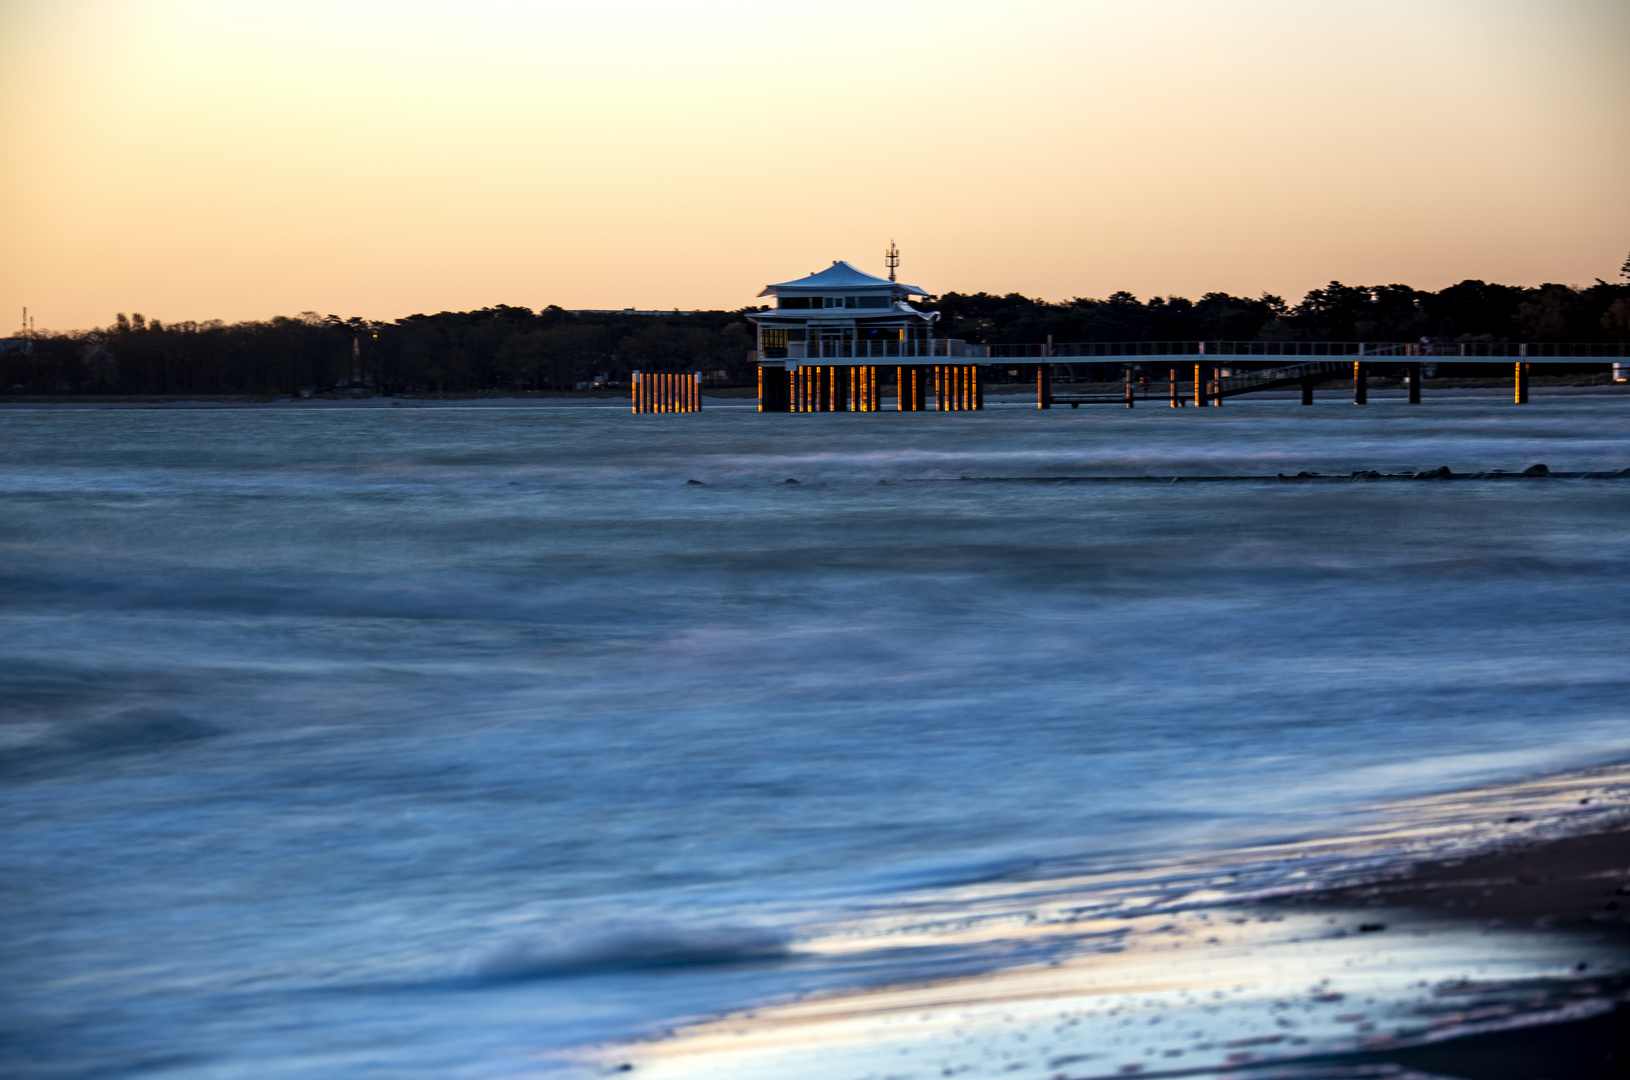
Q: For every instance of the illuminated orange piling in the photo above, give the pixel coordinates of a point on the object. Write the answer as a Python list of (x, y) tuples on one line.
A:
[(911, 388), (863, 396), (859, 388), (1522, 382), (958, 388)]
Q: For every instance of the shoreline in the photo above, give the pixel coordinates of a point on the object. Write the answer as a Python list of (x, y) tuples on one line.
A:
[(1577, 886), (1462, 931)]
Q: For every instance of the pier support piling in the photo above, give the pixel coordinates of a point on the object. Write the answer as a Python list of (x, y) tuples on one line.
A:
[(1522, 382), (774, 390), (1412, 375), (1361, 383), (911, 388)]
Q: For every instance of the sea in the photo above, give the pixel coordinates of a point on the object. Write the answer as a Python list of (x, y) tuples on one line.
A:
[(443, 741)]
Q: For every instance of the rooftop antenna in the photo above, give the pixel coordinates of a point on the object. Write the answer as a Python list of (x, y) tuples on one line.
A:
[(892, 258)]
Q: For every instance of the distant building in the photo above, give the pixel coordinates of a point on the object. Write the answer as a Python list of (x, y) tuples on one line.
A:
[(625, 311), (842, 314), (837, 338)]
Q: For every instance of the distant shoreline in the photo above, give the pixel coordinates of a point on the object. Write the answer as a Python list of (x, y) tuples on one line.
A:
[(741, 397)]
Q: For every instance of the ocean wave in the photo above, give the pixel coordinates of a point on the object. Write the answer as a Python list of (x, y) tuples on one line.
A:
[(631, 949)]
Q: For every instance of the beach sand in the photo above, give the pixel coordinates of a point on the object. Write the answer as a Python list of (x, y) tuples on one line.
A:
[(1480, 934)]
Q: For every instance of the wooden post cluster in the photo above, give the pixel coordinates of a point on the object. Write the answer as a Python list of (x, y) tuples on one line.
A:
[(667, 391), (820, 388), (864, 393), (911, 388), (958, 387)]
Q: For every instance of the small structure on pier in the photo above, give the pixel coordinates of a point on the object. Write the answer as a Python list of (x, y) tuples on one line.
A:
[(836, 336)]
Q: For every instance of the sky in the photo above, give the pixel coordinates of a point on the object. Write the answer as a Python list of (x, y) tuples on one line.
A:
[(238, 159)]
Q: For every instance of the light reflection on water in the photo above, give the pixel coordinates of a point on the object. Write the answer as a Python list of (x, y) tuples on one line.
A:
[(315, 722)]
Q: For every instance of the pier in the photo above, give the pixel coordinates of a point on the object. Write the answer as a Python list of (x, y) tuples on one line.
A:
[(1197, 374), (835, 338), (843, 340), (1205, 373)]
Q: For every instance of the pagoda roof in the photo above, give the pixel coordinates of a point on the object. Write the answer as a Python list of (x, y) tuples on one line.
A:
[(840, 275)]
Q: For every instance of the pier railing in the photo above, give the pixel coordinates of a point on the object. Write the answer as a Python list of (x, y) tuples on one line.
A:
[(957, 349), (883, 349), (1440, 350)]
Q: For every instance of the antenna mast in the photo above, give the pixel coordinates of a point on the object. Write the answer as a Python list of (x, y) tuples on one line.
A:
[(892, 258)]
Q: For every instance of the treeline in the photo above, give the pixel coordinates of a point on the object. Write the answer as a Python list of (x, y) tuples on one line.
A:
[(1469, 311), (514, 349), (500, 348)]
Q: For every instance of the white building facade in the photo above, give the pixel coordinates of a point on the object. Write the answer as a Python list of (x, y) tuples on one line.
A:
[(835, 339)]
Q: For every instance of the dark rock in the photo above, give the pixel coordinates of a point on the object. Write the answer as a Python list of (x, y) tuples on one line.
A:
[(789, 480), (1440, 473), (1537, 470), (698, 483), (1371, 927)]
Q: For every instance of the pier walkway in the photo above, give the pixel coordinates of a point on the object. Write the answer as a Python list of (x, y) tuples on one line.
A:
[(846, 376)]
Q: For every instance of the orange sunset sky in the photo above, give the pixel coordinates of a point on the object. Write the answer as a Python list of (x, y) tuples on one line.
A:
[(197, 159)]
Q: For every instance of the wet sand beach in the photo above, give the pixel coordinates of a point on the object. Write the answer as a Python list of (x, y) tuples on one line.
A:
[(1502, 952), (1575, 886)]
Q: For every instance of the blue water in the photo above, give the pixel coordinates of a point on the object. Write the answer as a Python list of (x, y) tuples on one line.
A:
[(435, 741)]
